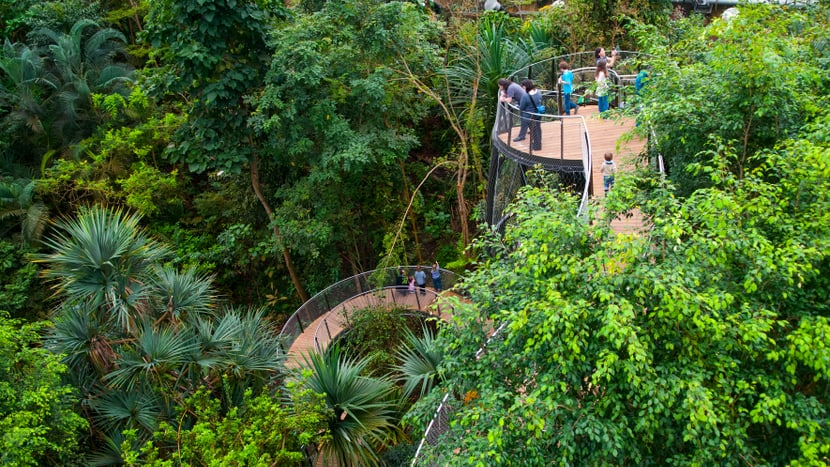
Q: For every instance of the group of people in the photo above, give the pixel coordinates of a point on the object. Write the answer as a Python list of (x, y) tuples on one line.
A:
[(406, 284), (529, 100)]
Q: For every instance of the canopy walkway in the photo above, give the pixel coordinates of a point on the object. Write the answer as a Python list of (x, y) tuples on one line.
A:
[(572, 146), (325, 315)]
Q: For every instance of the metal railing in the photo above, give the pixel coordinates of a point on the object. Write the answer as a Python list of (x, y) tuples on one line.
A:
[(545, 74), (332, 296), (337, 320), (570, 156), (563, 158)]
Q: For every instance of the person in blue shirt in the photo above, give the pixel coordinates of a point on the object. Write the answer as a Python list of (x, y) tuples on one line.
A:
[(640, 80), (435, 272), (567, 81), (421, 279)]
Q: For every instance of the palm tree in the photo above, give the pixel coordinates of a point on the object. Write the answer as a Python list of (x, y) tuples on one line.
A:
[(494, 54), (104, 258), (49, 89), (419, 360), (25, 87), (364, 408), (241, 349), (139, 338), (84, 66), (17, 201), (182, 293)]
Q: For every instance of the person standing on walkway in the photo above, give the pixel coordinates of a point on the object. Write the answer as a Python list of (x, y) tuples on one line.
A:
[(436, 277), (421, 279), (608, 169), (567, 82), (599, 54), (511, 93), (601, 77), (400, 282), (530, 107), (411, 288)]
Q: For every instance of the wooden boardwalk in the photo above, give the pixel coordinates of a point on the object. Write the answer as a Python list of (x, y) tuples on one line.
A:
[(329, 325), (605, 136)]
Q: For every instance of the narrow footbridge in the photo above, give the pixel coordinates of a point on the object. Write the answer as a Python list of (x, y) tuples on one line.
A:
[(325, 315)]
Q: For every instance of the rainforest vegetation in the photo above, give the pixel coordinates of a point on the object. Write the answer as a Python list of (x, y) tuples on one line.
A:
[(178, 176)]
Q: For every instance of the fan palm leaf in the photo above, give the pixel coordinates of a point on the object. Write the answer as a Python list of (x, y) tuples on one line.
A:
[(363, 407), (84, 343), (182, 293), (103, 256), (419, 360), (254, 354), (117, 410), (158, 355)]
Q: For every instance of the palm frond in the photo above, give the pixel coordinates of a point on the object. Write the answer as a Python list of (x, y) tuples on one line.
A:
[(118, 410), (183, 293), (419, 359), (157, 354), (103, 256), (82, 339), (364, 409)]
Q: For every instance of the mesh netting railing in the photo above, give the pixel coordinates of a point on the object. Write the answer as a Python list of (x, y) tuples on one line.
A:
[(339, 292)]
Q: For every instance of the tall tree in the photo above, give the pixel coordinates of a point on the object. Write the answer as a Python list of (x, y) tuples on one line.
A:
[(701, 343), (340, 124), (215, 54), (751, 81)]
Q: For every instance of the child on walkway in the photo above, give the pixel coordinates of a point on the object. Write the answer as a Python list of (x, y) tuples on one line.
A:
[(608, 169), (567, 81)]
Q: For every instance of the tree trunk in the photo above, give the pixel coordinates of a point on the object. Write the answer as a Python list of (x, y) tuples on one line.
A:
[(407, 198), (286, 256)]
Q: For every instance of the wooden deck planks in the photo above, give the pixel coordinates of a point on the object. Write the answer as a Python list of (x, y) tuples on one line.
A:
[(333, 322), (605, 135)]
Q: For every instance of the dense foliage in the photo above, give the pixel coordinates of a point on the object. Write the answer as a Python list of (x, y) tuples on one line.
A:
[(262, 431), (700, 341), (253, 152), (38, 423)]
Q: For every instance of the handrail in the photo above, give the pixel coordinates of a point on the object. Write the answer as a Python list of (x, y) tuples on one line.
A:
[(442, 407), (507, 114), (341, 291), (396, 295)]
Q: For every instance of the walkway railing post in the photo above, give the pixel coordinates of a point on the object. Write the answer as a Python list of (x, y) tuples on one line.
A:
[(326, 299)]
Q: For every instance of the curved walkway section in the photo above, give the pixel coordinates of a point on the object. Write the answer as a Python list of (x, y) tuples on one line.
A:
[(571, 146), (568, 145), (316, 322)]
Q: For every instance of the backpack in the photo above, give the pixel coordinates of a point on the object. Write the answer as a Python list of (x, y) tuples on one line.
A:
[(539, 107)]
